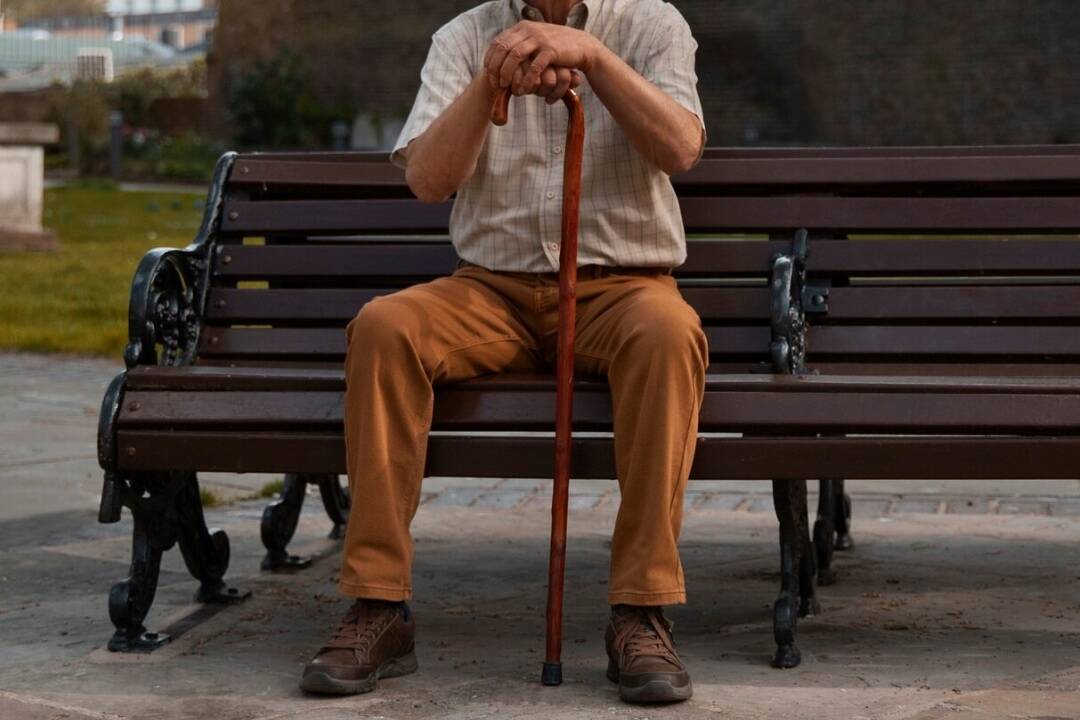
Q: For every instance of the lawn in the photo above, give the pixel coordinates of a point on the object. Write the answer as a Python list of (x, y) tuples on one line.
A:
[(75, 299)]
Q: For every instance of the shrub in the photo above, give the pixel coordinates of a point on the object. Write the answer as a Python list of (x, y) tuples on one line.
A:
[(272, 104)]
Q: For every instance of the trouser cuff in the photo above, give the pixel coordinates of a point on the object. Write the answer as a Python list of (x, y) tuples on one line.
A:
[(674, 597), (374, 592)]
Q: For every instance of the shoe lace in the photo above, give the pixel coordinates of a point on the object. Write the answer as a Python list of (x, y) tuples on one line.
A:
[(361, 626), (645, 632)]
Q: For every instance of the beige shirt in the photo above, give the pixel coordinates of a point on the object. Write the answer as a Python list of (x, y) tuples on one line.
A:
[(507, 217)]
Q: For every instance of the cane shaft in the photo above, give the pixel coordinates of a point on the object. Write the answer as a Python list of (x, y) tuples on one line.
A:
[(564, 369)]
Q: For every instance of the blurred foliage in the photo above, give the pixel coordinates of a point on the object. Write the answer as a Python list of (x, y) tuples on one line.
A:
[(75, 299), (35, 9), (132, 93), (86, 105), (188, 158), (272, 104)]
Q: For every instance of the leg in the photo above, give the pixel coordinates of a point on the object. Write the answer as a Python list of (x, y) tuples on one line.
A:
[(796, 597), (279, 522), (205, 551), (649, 342), (843, 518), (166, 508), (825, 530), (280, 518), (642, 334), (130, 599), (335, 500), (399, 347)]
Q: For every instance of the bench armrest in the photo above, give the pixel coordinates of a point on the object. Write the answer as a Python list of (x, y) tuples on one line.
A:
[(788, 277), (168, 294)]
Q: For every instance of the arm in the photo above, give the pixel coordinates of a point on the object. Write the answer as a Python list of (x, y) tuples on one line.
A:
[(665, 132), (659, 127), (443, 158)]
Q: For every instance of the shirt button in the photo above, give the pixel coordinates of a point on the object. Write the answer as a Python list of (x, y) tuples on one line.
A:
[(554, 247), (558, 149), (550, 195)]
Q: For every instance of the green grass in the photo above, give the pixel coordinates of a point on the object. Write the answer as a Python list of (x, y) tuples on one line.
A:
[(271, 489), (75, 299), (210, 498)]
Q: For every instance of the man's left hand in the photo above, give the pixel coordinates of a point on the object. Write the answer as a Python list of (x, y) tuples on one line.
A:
[(533, 47)]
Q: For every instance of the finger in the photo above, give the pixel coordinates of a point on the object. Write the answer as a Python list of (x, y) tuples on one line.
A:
[(576, 79), (499, 48), (517, 55), (518, 86), (541, 62), (548, 81), (565, 77)]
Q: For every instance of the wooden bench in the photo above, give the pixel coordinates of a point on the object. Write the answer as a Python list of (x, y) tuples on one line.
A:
[(923, 327)]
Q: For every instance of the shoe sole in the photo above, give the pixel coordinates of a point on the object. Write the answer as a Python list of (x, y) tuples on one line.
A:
[(653, 691), (322, 683)]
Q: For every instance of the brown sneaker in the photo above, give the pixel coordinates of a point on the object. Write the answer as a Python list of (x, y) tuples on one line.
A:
[(642, 658), (375, 640)]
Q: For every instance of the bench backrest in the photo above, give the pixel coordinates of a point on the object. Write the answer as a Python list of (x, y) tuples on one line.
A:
[(932, 259)]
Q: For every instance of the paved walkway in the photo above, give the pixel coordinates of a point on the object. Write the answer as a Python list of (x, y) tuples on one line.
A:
[(960, 599)]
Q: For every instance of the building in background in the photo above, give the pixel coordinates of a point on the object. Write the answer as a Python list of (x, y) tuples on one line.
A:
[(129, 34), (773, 72), (180, 24)]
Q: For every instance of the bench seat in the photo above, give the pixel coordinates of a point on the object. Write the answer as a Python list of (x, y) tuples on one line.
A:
[(250, 419)]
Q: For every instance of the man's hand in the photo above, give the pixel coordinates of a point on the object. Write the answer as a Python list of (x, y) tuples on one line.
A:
[(554, 83), (519, 57)]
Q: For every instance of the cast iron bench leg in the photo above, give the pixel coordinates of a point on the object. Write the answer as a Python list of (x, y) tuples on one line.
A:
[(797, 570), (280, 518), (166, 509), (825, 531), (832, 530), (843, 518)]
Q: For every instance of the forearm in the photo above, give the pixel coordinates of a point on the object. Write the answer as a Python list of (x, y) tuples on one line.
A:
[(665, 132), (444, 157)]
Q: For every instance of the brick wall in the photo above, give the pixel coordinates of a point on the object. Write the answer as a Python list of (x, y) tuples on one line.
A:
[(843, 72)]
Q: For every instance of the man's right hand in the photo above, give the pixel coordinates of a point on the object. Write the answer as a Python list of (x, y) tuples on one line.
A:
[(553, 84)]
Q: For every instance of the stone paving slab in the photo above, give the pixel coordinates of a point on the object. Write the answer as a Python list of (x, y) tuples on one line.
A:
[(973, 619)]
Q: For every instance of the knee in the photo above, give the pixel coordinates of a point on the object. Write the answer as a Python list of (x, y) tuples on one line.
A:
[(378, 326), (675, 337)]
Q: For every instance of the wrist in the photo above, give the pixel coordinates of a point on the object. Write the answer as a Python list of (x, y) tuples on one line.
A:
[(596, 55), (481, 86)]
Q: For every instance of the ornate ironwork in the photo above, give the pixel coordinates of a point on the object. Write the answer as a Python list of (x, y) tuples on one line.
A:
[(788, 347), (168, 293), (166, 510), (797, 570), (168, 298), (280, 517)]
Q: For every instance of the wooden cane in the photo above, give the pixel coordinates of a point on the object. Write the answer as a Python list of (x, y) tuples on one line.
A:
[(564, 370)]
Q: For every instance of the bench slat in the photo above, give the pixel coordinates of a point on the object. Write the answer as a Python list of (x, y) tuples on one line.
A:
[(273, 174), (368, 262), (593, 458), (338, 306), (994, 256), (330, 342), (728, 410), (382, 263), (227, 379), (970, 343), (700, 214)]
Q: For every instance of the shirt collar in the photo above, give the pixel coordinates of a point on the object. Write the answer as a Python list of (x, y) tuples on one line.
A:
[(580, 15)]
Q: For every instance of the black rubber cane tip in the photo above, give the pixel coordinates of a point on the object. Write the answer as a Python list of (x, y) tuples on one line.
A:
[(552, 674)]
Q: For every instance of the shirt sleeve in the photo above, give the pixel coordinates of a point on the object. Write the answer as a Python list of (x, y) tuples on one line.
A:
[(445, 76), (671, 65)]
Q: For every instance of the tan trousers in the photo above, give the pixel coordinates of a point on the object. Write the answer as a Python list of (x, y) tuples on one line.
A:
[(632, 326)]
